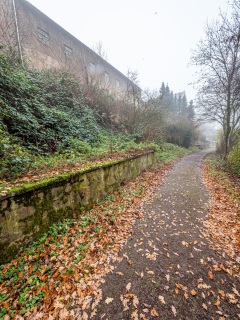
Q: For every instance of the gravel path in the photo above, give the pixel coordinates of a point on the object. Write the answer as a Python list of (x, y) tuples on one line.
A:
[(168, 269)]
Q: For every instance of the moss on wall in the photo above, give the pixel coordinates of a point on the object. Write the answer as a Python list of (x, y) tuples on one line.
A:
[(28, 213)]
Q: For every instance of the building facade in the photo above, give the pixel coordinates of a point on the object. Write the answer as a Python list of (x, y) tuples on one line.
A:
[(42, 43)]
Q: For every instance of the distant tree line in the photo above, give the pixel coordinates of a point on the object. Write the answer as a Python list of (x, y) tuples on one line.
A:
[(150, 115)]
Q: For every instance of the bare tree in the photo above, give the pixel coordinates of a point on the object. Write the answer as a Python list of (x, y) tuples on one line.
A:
[(218, 57)]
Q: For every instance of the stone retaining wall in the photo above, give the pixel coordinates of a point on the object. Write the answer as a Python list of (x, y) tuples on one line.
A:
[(28, 214)]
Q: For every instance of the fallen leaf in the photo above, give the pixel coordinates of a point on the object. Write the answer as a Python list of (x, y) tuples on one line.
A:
[(222, 293), (184, 243), (185, 295), (109, 300), (161, 298), (167, 277), (154, 313), (128, 286), (135, 301), (93, 313), (134, 315), (84, 316), (193, 292), (236, 292), (174, 311), (204, 306), (217, 303), (203, 286)]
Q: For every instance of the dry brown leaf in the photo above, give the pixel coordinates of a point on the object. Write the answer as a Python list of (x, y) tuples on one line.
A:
[(109, 300), (134, 315), (64, 314), (185, 295), (193, 292), (84, 316), (167, 277), (58, 304), (93, 313), (204, 306), (135, 301), (217, 303), (179, 285), (150, 272), (210, 275), (222, 293), (161, 298), (154, 313), (203, 286), (39, 315), (174, 311), (124, 302), (184, 243), (236, 292), (128, 286)]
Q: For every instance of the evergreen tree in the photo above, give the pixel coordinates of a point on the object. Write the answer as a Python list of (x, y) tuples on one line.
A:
[(191, 112)]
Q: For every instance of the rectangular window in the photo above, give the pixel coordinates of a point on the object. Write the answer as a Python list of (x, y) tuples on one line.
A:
[(106, 77), (117, 84), (92, 67), (68, 51), (43, 36)]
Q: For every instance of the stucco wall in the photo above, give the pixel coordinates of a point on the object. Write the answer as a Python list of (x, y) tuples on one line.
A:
[(28, 214)]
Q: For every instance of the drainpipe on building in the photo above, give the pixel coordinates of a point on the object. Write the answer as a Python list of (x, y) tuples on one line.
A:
[(17, 30)]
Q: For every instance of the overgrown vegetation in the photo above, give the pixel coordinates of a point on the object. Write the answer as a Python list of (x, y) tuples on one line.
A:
[(48, 121), (234, 159), (224, 173), (232, 162)]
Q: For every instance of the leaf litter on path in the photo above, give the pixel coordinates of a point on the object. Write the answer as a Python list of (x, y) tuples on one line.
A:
[(65, 276), (60, 275)]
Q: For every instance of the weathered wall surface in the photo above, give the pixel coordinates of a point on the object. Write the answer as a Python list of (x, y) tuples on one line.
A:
[(28, 214), (50, 51)]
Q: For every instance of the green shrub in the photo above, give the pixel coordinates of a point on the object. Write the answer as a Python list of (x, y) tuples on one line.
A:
[(171, 151), (234, 159), (44, 109), (14, 158)]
